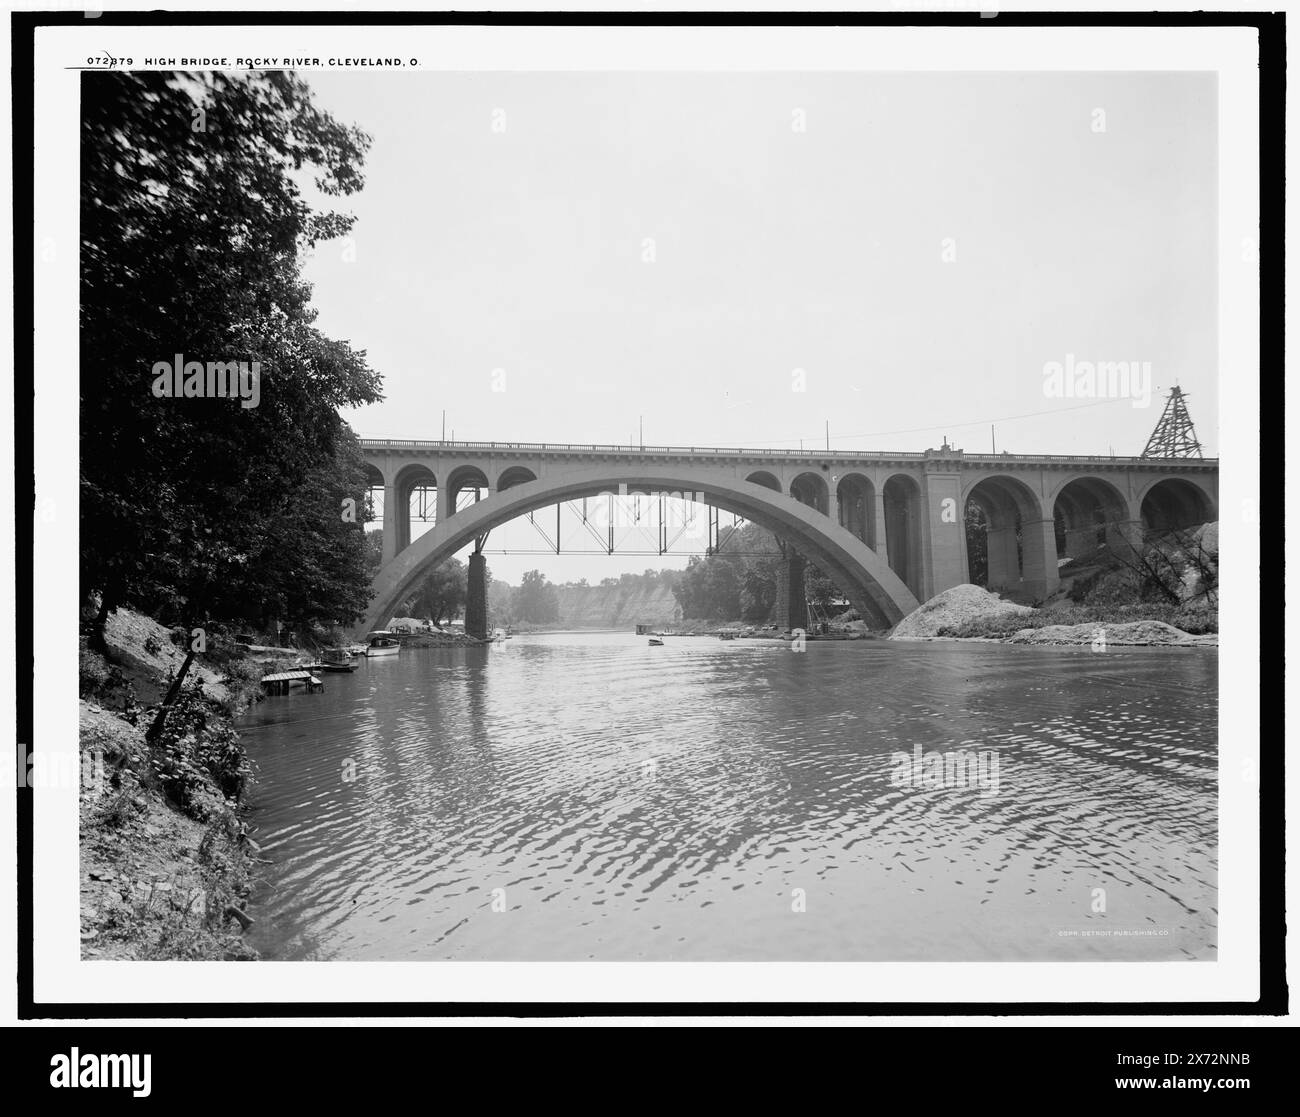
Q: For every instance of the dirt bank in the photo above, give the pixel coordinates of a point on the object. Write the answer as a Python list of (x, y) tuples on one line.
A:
[(1153, 634), (440, 640), (962, 606), (970, 613), (166, 865)]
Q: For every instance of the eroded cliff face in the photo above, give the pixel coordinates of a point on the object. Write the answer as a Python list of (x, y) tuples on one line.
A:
[(615, 606)]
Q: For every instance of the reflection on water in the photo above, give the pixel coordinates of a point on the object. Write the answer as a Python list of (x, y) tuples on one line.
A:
[(586, 796)]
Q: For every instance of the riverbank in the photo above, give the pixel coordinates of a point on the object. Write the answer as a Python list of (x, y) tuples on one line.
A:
[(838, 629), (166, 863), (971, 613), (441, 640)]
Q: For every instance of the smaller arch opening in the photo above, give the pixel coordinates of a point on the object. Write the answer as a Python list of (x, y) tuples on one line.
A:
[(1009, 545), (466, 485), (811, 489), (1175, 505), (515, 475), (902, 504), (855, 498), (417, 504), (1085, 514)]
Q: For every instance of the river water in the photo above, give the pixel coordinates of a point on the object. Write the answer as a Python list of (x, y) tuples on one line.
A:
[(576, 796)]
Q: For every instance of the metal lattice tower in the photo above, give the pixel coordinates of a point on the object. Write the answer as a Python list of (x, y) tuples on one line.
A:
[(1174, 436)]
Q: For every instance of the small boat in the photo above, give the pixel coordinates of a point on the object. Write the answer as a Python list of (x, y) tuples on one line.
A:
[(726, 635), (382, 642), (656, 643), (336, 659)]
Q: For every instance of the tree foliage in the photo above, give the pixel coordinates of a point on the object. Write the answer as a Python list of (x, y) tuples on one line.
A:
[(535, 601), (193, 224), (977, 544), (741, 582), (442, 593)]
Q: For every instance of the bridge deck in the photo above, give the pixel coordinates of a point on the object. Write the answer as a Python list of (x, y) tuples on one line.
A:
[(812, 454)]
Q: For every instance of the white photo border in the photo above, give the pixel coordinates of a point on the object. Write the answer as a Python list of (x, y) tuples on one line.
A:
[(59, 974)]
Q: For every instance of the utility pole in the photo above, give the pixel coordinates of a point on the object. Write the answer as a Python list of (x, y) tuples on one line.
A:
[(994, 431), (828, 436), (444, 424), (641, 429)]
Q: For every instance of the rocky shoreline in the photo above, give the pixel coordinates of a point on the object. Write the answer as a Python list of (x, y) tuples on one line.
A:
[(968, 612)]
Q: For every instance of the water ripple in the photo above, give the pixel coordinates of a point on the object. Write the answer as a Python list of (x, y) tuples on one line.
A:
[(584, 796)]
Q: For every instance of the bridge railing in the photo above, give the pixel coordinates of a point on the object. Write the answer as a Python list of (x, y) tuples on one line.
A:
[(375, 444)]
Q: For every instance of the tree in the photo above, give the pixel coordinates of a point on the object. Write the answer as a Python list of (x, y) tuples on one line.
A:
[(192, 229), (536, 600), (190, 245), (819, 590), (442, 592), (500, 597), (1172, 566), (375, 548), (977, 544), (710, 588), (311, 568)]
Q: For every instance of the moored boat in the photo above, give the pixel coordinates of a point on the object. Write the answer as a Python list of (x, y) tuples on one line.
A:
[(382, 642), (337, 659)]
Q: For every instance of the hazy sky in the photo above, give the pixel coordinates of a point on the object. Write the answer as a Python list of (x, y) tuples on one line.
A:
[(518, 257)]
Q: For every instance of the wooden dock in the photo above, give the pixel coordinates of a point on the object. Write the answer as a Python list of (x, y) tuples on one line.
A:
[(280, 681)]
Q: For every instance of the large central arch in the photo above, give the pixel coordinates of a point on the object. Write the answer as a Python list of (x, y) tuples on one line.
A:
[(873, 588)]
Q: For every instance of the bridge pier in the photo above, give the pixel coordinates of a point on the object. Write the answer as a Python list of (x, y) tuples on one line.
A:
[(1004, 559), (1038, 552), (476, 598), (791, 599), (943, 545), (878, 511), (443, 506), (390, 521)]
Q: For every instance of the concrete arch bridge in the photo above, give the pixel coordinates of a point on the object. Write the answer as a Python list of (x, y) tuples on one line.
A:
[(888, 528)]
